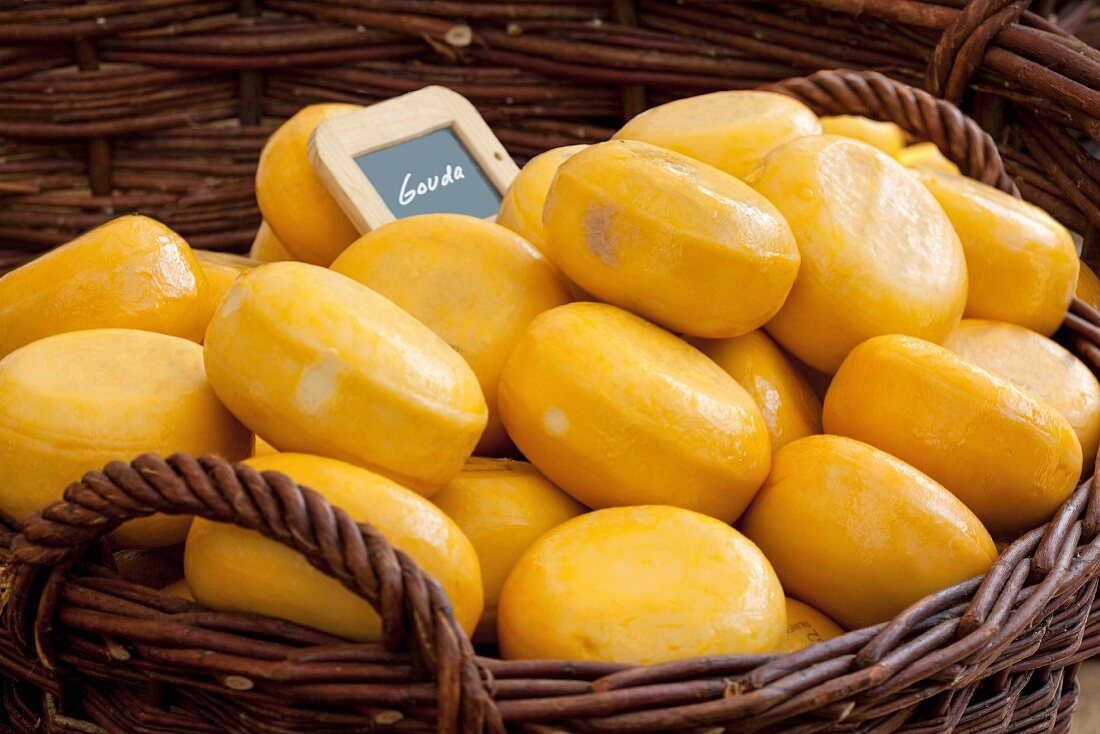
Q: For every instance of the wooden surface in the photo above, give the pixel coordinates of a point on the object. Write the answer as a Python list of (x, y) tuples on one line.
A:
[(1087, 718)]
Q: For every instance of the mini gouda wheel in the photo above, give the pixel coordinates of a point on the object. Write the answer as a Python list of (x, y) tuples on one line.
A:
[(926, 157), (616, 411), (806, 626), (263, 448), (1022, 262), (240, 570), (641, 585), (295, 203), (1041, 367), (1012, 458), (1088, 286), (859, 534), (788, 403), (267, 248), (502, 506), (521, 209), (315, 362), (474, 283), (179, 589), (670, 239), (732, 131), (221, 269), (886, 136), (72, 403), (879, 256), (130, 273)]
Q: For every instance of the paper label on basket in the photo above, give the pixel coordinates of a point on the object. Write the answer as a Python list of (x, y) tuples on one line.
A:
[(425, 152)]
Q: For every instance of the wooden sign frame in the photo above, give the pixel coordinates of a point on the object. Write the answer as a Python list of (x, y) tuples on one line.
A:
[(336, 143)]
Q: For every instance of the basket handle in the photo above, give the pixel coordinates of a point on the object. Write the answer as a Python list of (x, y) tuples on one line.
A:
[(874, 95), (412, 605)]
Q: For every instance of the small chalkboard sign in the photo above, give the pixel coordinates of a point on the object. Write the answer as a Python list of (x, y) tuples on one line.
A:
[(425, 152)]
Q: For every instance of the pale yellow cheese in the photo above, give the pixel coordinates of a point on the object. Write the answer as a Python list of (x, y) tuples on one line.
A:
[(318, 363), (71, 403)]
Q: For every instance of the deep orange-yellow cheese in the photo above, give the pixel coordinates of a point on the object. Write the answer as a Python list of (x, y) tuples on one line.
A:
[(1012, 458), (859, 534), (732, 130), (788, 403), (669, 238), (641, 585), (502, 506), (474, 283), (879, 256), (316, 362), (132, 273), (235, 569), (294, 201), (617, 411)]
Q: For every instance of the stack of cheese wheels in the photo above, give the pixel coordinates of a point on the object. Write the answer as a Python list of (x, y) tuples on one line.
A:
[(731, 382)]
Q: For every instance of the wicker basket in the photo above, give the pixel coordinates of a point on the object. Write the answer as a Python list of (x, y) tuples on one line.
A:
[(80, 644), (166, 114), (111, 106)]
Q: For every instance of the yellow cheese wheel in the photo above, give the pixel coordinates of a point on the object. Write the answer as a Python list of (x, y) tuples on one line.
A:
[(502, 506), (1088, 286), (731, 130), (521, 209), (788, 403), (886, 136), (266, 247), (879, 256), (1012, 458), (315, 362), (180, 589), (926, 156), (1022, 262), (616, 411), (234, 569), (263, 448), (1041, 367), (474, 283), (72, 403), (221, 269), (806, 626), (131, 273), (669, 238), (294, 201), (641, 585), (859, 534)]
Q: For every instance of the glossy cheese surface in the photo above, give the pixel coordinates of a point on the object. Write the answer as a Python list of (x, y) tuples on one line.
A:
[(221, 269), (791, 408), (131, 273), (641, 585), (1012, 458), (72, 403), (617, 411), (295, 203), (502, 506), (521, 209), (231, 568), (474, 283), (860, 534), (879, 256), (1022, 262), (1088, 286), (732, 131), (669, 238), (1041, 367), (317, 363)]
